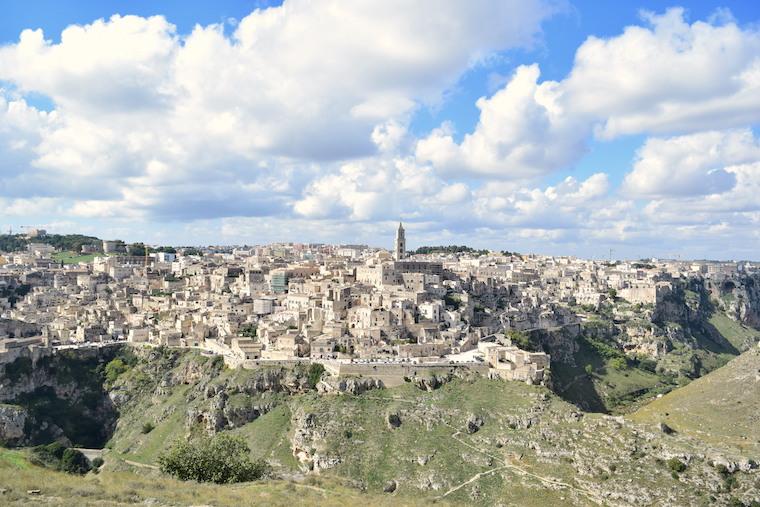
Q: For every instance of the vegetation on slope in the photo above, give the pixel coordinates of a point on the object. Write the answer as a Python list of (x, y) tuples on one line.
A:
[(472, 441), (117, 486), (221, 459), (722, 407)]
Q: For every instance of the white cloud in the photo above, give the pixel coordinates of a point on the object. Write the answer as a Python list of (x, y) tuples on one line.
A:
[(302, 115), (522, 134), (695, 164), (198, 124), (667, 77)]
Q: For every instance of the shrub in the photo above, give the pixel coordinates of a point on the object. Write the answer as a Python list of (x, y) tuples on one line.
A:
[(588, 369), (220, 459), (74, 462), (314, 374), (217, 363), (619, 363), (22, 366), (97, 462), (676, 465), (648, 365), (48, 455), (115, 368), (520, 340), (248, 330), (147, 427)]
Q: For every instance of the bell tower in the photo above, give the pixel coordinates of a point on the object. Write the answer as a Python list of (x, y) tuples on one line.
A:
[(400, 250)]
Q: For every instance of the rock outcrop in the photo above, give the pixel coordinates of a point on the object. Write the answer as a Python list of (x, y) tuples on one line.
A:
[(349, 385), (12, 422)]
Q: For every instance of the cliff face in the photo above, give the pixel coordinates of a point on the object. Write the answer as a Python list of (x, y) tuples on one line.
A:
[(739, 298), (57, 397)]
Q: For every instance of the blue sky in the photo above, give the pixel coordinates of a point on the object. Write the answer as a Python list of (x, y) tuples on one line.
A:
[(250, 137)]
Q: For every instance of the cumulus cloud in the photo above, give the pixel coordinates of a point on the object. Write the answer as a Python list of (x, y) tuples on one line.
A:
[(669, 76), (695, 164), (303, 114), (192, 125), (522, 133), (666, 77)]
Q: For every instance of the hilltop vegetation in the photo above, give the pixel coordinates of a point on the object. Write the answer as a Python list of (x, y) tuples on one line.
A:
[(62, 242)]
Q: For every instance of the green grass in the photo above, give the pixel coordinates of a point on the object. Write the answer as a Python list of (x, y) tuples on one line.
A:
[(73, 257), (132, 444), (111, 488), (734, 332), (529, 436), (719, 408), (13, 459), (607, 389), (268, 435)]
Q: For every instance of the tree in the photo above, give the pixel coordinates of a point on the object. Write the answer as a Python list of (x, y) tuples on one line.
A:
[(221, 459), (619, 363), (315, 374), (589, 369), (74, 462), (248, 330), (115, 368)]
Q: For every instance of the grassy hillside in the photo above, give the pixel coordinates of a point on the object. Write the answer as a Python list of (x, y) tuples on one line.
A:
[(473, 441), (113, 487), (721, 408), (738, 335)]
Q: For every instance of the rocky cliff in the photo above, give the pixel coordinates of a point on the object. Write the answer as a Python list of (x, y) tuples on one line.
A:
[(57, 397)]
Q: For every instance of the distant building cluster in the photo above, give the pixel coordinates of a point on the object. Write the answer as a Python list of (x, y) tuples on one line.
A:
[(352, 307)]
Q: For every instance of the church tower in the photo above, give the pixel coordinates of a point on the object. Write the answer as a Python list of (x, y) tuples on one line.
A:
[(400, 251)]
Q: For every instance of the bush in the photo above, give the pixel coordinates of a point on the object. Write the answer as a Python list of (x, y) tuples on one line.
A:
[(48, 455), (648, 365), (221, 459), (60, 457), (248, 330), (147, 427), (97, 462), (619, 363), (676, 465), (74, 462), (520, 340), (314, 374), (115, 368), (589, 370)]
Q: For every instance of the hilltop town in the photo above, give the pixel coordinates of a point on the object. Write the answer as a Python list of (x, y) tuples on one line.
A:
[(358, 310)]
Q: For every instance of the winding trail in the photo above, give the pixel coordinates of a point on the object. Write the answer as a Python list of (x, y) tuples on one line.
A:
[(591, 495), (471, 480)]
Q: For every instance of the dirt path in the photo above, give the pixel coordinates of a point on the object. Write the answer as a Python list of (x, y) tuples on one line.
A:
[(520, 470), (139, 465), (471, 480)]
